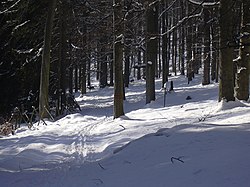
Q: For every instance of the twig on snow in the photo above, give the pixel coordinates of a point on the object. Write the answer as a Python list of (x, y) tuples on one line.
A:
[(101, 166), (178, 159), (122, 127)]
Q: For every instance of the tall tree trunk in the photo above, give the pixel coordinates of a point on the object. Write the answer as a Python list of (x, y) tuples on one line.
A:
[(139, 62), (126, 68), (118, 58), (45, 68), (76, 78), (189, 54), (226, 83), (189, 51), (70, 79), (174, 43), (83, 78), (214, 55), (242, 75), (103, 65), (206, 69), (62, 60), (164, 46), (182, 52), (111, 71), (151, 50)]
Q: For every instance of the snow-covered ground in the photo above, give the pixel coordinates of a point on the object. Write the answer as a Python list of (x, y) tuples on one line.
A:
[(188, 143)]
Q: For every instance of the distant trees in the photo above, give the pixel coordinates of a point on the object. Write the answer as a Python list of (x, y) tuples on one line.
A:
[(114, 41)]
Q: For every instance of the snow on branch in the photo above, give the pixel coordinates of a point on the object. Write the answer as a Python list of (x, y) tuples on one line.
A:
[(154, 2), (20, 25), (12, 6), (183, 20), (195, 2), (168, 8), (76, 47)]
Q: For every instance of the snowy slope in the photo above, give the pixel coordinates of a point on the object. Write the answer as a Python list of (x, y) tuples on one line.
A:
[(197, 142)]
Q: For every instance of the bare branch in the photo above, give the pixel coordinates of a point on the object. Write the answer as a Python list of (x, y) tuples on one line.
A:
[(182, 21), (12, 6), (204, 4)]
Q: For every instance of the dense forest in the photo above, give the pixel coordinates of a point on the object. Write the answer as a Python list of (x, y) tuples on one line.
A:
[(52, 49)]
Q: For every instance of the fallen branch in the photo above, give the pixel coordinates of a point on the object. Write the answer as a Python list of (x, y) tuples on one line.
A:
[(101, 166), (122, 127), (178, 159)]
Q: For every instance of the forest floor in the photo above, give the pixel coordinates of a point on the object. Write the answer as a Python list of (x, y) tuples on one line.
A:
[(196, 142)]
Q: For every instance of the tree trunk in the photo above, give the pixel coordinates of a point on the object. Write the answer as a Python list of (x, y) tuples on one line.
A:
[(70, 79), (83, 78), (182, 52), (189, 54), (226, 82), (118, 58), (45, 67), (126, 68), (103, 65), (111, 71), (242, 75), (62, 60), (206, 69), (164, 47), (214, 56), (76, 78), (151, 50)]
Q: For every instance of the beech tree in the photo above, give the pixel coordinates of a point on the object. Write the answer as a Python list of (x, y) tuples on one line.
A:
[(118, 58), (207, 55), (243, 63), (226, 82), (151, 48)]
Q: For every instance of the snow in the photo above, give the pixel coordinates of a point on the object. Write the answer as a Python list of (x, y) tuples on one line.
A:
[(197, 142)]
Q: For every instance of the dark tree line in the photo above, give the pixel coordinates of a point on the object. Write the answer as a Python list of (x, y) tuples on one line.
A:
[(78, 41)]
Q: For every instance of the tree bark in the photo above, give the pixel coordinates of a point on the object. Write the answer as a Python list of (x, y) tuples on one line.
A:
[(164, 46), (242, 75), (62, 60), (151, 50), (126, 68), (45, 67), (182, 33), (226, 82), (118, 58), (206, 69)]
